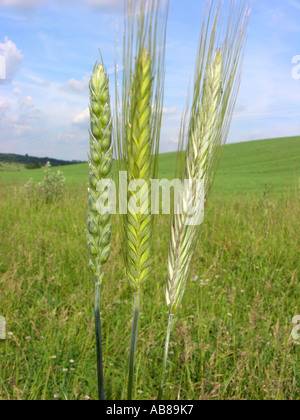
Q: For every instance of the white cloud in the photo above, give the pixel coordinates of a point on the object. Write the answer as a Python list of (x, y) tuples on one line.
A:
[(20, 129), (17, 91), (66, 136), (170, 111), (4, 104), (172, 139), (27, 102), (76, 86), (15, 125), (30, 5), (114, 5), (82, 118), (22, 5), (13, 58)]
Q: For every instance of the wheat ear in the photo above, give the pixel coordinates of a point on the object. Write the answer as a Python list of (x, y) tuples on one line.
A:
[(139, 160), (138, 133), (139, 167), (183, 236), (199, 153), (99, 225), (217, 79)]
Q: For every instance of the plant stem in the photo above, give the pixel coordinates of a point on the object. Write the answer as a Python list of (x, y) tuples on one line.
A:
[(164, 370), (134, 333), (99, 341)]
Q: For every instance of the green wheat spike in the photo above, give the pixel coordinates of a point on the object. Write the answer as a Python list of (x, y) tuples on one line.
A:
[(100, 163)]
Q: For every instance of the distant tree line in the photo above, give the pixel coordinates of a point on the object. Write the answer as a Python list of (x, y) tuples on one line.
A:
[(35, 165), (32, 162)]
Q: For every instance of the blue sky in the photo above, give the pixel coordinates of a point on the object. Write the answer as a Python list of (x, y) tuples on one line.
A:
[(50, 47)]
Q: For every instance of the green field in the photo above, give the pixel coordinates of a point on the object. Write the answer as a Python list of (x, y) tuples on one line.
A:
[(232, 336), (245, 167)]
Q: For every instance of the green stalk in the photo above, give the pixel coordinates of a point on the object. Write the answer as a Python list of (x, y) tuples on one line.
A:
[(164, 369), (99, 342), (134, 334)]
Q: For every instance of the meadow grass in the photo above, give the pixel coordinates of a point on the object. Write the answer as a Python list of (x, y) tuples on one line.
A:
[(231, 340)]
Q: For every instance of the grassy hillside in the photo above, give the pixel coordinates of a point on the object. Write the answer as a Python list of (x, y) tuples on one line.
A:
[(260, 165), (256, 166)]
